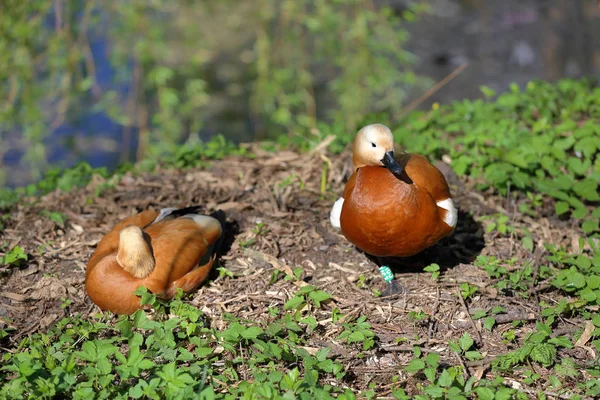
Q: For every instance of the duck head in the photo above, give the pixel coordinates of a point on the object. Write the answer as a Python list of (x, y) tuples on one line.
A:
[(374, 146), (134, 254)]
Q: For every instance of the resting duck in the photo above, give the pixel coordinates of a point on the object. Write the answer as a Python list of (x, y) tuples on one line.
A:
[(163, 251), (395, 204)]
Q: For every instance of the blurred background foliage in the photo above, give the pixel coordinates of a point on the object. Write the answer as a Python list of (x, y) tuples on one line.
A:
[(134, 79)]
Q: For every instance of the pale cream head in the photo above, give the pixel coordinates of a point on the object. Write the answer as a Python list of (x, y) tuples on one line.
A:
[(134, 254), (371, 144)]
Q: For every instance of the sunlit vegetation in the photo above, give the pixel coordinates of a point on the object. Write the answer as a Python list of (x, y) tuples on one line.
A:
[(156, 73)]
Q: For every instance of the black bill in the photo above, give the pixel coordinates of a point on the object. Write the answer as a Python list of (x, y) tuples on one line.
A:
[(390, 163)]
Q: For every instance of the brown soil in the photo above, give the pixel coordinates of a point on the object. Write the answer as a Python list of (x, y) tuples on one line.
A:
[(295, 233)]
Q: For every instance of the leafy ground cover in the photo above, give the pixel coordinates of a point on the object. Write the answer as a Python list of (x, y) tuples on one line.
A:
[(507, 307)]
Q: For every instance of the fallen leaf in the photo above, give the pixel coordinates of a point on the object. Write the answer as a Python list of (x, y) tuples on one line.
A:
[(13, 296), (586, 335), (233, 205)]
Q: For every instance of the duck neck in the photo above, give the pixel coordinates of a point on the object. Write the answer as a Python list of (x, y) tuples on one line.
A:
[(135, 257)]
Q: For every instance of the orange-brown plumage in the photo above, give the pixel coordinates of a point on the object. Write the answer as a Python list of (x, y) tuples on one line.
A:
[(179, 255), (389, 214)]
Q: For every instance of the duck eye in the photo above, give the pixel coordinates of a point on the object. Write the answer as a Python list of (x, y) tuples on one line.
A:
[(373, 144)]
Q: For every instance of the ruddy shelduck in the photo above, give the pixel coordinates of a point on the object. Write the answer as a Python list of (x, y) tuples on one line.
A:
[(161, 250), (395, 204)]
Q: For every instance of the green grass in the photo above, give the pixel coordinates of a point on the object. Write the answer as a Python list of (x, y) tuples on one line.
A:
[(542, 140), (13, 257), (164, 357), (535, 145), (575, 275), (186, 156)]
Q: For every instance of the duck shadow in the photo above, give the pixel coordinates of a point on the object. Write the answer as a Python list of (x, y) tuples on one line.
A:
[(461, 247)]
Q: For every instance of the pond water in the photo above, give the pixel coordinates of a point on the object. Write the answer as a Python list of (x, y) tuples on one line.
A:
[(501, 41), (507, 41)]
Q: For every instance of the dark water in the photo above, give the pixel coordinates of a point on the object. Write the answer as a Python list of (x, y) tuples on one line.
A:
[(502, 41), (94, 138), (507, 41)]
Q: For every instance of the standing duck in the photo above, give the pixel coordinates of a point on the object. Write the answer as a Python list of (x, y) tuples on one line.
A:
[(395, 204), (163, 251)]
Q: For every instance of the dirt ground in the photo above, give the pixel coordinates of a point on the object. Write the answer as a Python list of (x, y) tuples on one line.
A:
[(283, 192)]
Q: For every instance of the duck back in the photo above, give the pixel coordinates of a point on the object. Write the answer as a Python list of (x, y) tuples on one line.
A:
[(183, 248)]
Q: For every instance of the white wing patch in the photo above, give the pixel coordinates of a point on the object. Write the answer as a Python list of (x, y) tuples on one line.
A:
[(204, 221), (336, 213), (451, 216)]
